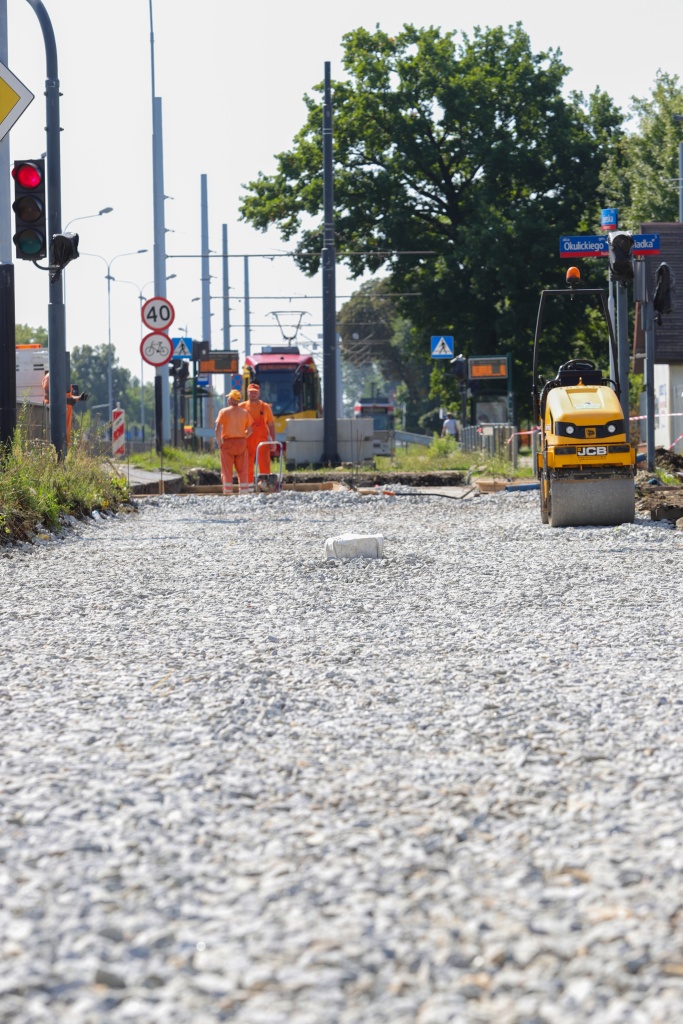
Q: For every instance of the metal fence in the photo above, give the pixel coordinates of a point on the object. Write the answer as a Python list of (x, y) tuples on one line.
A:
[(492, 439)]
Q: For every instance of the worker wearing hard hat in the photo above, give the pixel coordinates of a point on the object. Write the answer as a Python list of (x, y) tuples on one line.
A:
[(233, 427), (264, 430)]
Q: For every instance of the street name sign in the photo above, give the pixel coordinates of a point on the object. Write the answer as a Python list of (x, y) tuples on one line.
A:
[(574, 246), (609, 219), (14, 99), (442, 346), (157, 314)]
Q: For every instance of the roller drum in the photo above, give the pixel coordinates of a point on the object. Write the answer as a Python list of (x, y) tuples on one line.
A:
[(601, 502)]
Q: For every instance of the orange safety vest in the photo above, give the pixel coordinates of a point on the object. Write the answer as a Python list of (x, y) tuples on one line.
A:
[(234, 421), (261, 418)]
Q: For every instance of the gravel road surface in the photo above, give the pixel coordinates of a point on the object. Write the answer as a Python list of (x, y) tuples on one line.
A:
[(242, 783)]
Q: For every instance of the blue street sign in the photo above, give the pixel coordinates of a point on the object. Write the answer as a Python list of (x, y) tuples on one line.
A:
[(442, 346), (609, 219), (182, 348), (645, 245), (202, 382), (573, 246), (236, 381)]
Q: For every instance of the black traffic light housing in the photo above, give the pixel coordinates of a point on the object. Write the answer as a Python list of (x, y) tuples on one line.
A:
[(63, 249), (664, 300), (458, 368), (30, 211), (620, 257), (179, 370)]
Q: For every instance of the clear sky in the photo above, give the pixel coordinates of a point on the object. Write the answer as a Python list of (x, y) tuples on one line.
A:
[(231, 77)]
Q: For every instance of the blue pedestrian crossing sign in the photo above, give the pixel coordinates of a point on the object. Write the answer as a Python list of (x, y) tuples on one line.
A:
[(182, 348), (442, 346)]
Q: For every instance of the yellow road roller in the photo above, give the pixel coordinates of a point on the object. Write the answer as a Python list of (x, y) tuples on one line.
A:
[(585, 463)]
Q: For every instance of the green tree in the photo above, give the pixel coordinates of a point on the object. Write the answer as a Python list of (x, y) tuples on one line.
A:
[(640, 176), (89, 369), (459, 162), (25, 335)]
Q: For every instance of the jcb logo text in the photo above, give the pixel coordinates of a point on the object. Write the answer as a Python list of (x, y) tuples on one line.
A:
[(592, 449)]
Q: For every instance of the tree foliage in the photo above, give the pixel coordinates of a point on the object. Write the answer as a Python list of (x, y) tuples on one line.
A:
[(640, 176), (374, 334), (458, 163), (89, 369), (25, 335)]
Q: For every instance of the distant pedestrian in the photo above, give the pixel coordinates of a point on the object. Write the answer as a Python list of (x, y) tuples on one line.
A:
[(450, 427), (233, 426)]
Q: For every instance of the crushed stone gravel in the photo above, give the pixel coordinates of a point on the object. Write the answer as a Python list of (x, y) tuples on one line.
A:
[(241, 782)]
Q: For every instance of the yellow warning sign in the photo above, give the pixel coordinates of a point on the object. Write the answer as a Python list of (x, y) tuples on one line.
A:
[(14, 99)]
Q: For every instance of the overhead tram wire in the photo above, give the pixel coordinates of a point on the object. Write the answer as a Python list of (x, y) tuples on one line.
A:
[(294, 255)]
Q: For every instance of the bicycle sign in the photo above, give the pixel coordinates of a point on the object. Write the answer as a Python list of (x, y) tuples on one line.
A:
[(157, 314), (156, 348)]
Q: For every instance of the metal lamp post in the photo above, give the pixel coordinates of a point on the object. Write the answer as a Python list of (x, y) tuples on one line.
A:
[(89, 216), (679, 119), (109, 280)]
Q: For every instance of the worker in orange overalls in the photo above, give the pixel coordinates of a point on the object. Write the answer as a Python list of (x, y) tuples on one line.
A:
[(72, 396), (264, 430), (233, 427)]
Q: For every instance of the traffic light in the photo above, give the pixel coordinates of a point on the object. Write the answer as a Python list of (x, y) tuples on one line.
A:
[(30, 238), (63, 249), (664, 300), (620, 258), (458, 368), (179, 370)]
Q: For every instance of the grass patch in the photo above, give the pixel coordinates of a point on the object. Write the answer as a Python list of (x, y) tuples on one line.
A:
[(176, 460), (442, 454), (445, 454), (36, 490)]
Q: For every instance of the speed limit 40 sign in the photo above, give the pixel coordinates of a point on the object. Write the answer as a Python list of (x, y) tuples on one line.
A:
[(157, 314)]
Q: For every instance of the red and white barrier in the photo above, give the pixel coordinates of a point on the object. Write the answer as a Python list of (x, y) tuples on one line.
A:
[(118, 432)]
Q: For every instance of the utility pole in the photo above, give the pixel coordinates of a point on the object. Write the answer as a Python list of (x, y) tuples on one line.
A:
[(226, 301), (247, 314), (205, 272), (330, 453), (159, 232)]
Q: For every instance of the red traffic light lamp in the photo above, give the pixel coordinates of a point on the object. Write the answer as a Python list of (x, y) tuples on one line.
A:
[(30, 238)]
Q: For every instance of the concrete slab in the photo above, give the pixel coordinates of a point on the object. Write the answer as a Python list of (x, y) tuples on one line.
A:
[(145, 481)]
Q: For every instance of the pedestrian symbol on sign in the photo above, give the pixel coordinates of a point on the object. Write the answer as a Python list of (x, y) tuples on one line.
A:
[(181, 350), (442, 346)]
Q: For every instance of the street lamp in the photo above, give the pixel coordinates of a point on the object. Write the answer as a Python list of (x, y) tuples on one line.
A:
[(89, 216), (109, 280)]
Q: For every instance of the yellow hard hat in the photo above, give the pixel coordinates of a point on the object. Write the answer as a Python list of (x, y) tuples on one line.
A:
[(236, 395)]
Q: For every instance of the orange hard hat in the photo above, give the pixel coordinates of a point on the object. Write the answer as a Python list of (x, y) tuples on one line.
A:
[(254, 387)]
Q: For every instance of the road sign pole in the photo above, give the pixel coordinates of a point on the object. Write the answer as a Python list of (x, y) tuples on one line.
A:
[(5, 191), (56, 318), (648, 324), (623, 354)]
